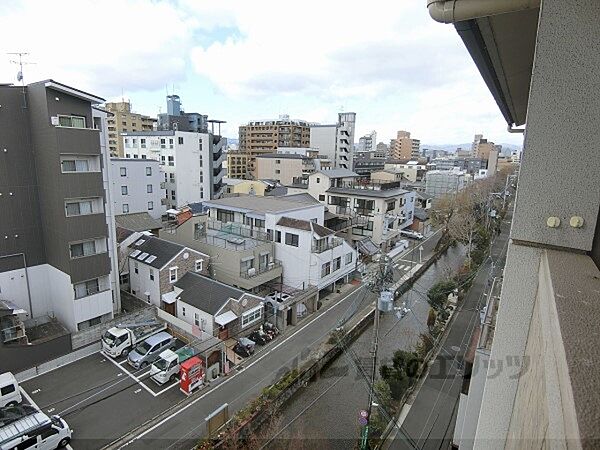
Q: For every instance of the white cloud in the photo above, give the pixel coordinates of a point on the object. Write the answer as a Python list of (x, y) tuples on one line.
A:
[(101, 46)]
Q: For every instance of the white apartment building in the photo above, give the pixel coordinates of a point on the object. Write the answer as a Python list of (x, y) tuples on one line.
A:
[(192, 163), (336, 141), (384, 206), (443, 182), (137, 185)]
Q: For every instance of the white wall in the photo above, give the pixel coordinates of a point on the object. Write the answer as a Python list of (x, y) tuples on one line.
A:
[(13, 287), (141, 283), (307, 213), (137, 183), (324, 138), (189, 316)]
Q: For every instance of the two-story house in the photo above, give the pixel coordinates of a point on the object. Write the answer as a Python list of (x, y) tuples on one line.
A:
[(155, 265)]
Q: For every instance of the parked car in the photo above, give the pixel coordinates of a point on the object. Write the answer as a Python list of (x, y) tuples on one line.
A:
[(244, 347), (10, 394), (279, 297), (24, 427), (412, 234), (149, 350)]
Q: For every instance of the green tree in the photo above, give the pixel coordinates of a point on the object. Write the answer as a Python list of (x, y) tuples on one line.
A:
[(437, 296)]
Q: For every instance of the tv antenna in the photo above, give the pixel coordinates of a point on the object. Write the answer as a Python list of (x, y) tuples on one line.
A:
[(20, 76)]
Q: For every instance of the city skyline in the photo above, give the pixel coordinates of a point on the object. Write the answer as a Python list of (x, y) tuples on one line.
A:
[(400, 73)]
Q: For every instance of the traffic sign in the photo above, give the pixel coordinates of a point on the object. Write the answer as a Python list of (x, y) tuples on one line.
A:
[(363, 413), (362, 421)]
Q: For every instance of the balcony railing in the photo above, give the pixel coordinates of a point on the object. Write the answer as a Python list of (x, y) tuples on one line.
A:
[(324, 245), (255, 271), (238, 229), (368, 185)]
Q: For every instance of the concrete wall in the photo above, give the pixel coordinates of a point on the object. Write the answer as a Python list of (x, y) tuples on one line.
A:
[(137, 182), (289, 168), (21, 357), (323, 138)]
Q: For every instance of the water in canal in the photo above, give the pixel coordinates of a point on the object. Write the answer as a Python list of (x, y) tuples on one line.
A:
[(325, 413)]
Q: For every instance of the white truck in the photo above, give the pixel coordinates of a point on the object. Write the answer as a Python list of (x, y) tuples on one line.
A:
[(25, 427), (168, 364), (118, 341)]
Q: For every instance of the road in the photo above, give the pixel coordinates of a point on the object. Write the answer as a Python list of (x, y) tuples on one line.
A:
[(324, 414), (431, 417)]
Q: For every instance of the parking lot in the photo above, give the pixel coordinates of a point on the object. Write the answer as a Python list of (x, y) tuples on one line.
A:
[(101, 398)]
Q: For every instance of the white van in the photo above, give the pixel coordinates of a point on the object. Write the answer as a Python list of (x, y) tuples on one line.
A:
[(10, 394), (33, 430)]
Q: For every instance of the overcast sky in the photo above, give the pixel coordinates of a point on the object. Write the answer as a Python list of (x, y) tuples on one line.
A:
[(388, 61)]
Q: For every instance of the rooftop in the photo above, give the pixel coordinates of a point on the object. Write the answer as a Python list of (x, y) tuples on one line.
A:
[(282, 156), (137, 222), (249, 203), (305, 225), (339, 173), (205, 293), (154, 251)]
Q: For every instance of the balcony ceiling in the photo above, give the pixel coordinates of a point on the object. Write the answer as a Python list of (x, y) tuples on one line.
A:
[(502, 47)]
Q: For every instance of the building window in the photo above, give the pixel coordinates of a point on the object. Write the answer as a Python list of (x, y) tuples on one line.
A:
[(277, 236), (198, 266), (135, 268), (225, 216), (123, 190), (171, 160), (148, 171), (277, 161), (196, 315), (125, 208), (163, 143), (81, 208), (128, 155), (173, 274), (151, 275), (150, 206), (171, 177), (75, 165), (72, 121), (251, 317), (348, 258), (246, 264), (135, 156), (318, 180), (170, 143), (325, 269), (337, 263), (277, 171), (180, 140), (81, 249), (143, 143), (259, 223), (86, 288), (291, 239), (183, 311), (123, 171), (173, 195), (149, 188), (321, 197)]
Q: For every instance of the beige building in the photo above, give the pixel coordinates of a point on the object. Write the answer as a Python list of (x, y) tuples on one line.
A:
[(245, 187), (404, 147), (288, 169), (124, 121), (262, 137)]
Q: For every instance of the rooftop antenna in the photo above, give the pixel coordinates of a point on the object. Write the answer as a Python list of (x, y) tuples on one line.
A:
[(20, 76)]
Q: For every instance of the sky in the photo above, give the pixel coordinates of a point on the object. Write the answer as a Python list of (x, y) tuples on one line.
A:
[(240, 60)]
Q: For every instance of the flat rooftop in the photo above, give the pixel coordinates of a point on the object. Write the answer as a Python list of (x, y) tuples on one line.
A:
[(249, 203)]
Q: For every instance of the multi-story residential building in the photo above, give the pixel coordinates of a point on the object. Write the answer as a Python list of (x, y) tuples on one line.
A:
[(154, 265), (444, 182), (367, 143), (288, 168), (336, 141), (263, 137), (545, 333), (481, 147), (123, 120), (384, 206), (235, 248), (58, 248), (366, 166), (137, 185), (176, 119), (405, 147), (382, 150), (468, 165), (412, 170), (192, 163)]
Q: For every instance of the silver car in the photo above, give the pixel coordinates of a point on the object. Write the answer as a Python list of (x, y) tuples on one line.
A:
[(148, 351)]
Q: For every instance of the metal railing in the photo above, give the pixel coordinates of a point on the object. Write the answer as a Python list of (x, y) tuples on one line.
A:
[(379, 185), (238, 229), (255, 271), (325, 244), (13, 333)]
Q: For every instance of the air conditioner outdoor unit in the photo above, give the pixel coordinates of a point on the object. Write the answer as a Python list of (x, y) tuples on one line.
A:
[(54, 120), (271, 265), (252, 271)]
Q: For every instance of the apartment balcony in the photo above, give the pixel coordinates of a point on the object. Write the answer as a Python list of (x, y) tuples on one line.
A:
[(345, 218), (163, 184), (230, 230), (78, 140), (256, 271), (320, 246), (368, 185)]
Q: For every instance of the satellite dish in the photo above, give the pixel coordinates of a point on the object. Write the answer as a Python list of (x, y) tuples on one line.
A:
[(244, 302), (186, 255)]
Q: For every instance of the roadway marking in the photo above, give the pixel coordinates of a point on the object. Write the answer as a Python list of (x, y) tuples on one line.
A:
[(51, 410), (36, 391), (231, 377), (137, 391), (167, 388), (136, 379)]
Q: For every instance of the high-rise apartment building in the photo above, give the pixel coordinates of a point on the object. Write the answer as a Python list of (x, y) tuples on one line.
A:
[(57, 246), (176, 119), (368, 142), (336, 141), (404, 147), (481, 147), (123, 120), (264, 137), (192, 163)]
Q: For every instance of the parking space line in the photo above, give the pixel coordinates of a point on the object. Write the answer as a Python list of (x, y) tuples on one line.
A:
[(167, 388), (133, 377)]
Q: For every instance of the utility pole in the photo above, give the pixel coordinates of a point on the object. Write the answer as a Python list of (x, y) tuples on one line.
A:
[(385, 303), (20, 76)]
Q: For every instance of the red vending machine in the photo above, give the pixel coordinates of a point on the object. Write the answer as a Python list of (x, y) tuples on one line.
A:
[(192, 375)]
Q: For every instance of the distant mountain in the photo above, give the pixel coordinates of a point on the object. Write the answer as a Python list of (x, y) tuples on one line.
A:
[(232, 141)]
